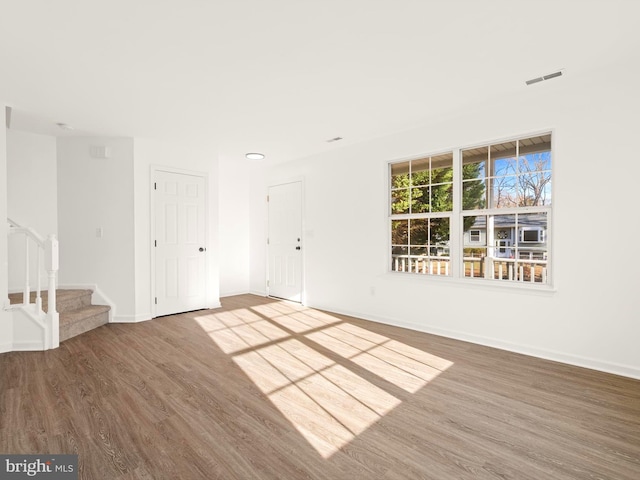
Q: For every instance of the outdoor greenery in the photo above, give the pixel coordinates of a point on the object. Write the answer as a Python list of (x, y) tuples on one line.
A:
[(430, 191)]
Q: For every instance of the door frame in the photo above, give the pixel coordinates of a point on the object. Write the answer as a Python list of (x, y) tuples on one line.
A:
[(153, 169), (303, 256)]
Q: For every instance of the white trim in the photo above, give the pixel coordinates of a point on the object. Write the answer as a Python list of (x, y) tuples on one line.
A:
[(6, 347), (27, 346), (153, 169), (140, 317), (561, 357), (260, 293), (233, 294)]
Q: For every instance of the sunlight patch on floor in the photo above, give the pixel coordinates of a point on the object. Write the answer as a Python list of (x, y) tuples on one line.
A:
[(307, 362)]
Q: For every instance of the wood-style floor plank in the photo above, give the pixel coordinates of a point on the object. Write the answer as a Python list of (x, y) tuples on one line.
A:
[(266, 389)]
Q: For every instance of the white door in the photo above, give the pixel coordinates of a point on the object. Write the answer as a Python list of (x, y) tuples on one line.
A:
[(285, 241), (179, 243)]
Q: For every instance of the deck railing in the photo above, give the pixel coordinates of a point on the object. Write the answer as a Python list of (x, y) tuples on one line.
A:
[(523, 269)]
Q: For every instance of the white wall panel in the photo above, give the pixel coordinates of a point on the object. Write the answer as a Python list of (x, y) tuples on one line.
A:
[(592, 317)]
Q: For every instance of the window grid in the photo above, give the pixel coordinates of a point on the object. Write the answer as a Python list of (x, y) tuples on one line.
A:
[(495, 198)]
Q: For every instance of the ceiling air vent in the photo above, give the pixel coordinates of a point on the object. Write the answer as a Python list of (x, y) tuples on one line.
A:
[(334, 139), (544, 77)]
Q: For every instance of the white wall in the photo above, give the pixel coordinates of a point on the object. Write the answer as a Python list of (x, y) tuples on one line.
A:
[(235, 192), (179, 155), (97, 193), (6, 320), (592, 317), (31, 194)]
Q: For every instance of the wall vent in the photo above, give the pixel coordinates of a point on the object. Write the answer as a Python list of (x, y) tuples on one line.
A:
[(100, 151), (549, 76)]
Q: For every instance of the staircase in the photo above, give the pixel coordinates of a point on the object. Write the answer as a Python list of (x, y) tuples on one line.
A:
[(77, 314)]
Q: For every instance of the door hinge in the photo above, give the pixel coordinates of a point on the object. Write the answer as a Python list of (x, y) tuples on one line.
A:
[(156, 300), (155, 186), (267, 241), (267, 198), (267, 283), (155, 243)]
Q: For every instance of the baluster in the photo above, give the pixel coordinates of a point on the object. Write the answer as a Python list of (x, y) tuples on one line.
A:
[(532, 273), (38, 286), (26, 293)]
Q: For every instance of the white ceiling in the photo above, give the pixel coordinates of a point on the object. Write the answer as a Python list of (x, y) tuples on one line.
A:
[(283, 76)]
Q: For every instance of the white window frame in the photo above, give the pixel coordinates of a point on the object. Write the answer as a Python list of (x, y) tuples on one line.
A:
[(457, 243)]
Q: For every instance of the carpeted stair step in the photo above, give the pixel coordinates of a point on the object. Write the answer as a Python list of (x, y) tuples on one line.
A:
[(82, 320), (76, 313), (66, 299)]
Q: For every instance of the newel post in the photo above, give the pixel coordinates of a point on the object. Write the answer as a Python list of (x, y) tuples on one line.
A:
[(51, 266)]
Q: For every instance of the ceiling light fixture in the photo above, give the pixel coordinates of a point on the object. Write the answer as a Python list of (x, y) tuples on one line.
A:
[(255, 156), (334, 139), (64, 126)]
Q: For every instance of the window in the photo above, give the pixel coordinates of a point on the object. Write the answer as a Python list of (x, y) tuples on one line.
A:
[(499, 206), (421, 209)]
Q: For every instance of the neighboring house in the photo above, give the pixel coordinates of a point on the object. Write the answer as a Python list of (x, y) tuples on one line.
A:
[(525, 240)]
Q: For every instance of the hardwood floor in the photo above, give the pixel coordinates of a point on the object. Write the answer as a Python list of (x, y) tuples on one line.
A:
[(264, 389)]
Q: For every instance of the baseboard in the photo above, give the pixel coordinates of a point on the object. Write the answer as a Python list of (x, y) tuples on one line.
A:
[(214, 305), (27, 346), (233, 294), (141, 317), (555, 356), (6, 347), (259, 293)]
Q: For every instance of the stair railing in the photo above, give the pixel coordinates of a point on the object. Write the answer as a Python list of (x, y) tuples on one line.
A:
[(47, 251)]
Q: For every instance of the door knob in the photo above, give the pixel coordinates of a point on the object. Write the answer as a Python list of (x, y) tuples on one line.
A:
[(202, 249), (298, 248)]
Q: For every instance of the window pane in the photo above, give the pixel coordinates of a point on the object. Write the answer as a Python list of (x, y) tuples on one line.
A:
[(400, 175), (535, 162), (474, 194), (474, 262), (474, 163), (535, 189), (399, 232), (474, 170), (442, 168), (420, 200), (420, 172), (419, 229), (442, 198), (504, 166), (439, 232), (400, 201), (475, 224), (505, 192), (532, 228)]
